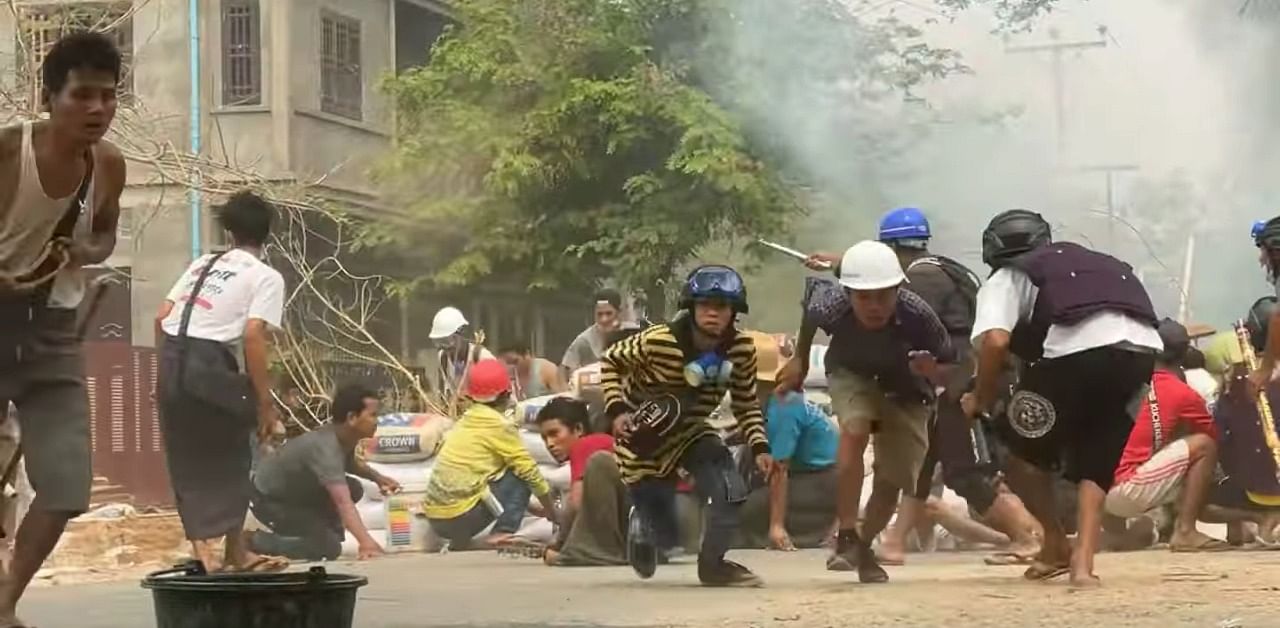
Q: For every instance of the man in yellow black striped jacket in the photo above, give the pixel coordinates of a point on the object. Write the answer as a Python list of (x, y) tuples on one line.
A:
[(694, 359)]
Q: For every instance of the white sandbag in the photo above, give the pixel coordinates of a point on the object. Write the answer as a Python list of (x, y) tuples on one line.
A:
[(817, 376), (371, 491), (537, 448), (406, 437), (373, 514), (407, 526), (557, 475), (584, 380), (526, 413), (410, 475), (537, 529)]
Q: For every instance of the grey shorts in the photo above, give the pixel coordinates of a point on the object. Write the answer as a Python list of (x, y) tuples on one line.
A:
[(53, 415)]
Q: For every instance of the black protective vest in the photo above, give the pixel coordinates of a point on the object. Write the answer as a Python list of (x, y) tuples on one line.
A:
[(1075, 283)]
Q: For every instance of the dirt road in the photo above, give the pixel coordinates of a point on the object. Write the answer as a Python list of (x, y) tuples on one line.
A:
[(1148, 589)]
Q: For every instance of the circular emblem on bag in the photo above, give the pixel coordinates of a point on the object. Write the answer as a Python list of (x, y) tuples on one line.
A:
[(1031, 415)]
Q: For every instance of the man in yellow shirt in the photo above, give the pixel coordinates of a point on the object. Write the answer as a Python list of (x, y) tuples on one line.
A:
[(483, 474)]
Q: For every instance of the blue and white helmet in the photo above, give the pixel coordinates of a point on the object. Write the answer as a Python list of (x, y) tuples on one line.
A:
[(905, 226)]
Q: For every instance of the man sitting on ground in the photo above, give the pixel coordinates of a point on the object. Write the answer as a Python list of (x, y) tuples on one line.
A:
[(483, 473), (302, 490), (1157, 467), (797, 508), (594, 519)]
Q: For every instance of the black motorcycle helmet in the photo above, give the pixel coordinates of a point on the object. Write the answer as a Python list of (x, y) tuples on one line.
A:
[(1256, 322), (1013, 233)]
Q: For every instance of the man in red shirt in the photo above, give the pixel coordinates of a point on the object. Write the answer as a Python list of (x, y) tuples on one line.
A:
[(1158, 465), (593, 524)]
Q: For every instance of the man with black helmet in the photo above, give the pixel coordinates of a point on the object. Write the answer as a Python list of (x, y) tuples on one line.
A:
[(659, 387), (1268, 241), (1083, 324)]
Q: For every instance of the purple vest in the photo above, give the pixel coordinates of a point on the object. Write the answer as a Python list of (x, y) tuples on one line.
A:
[(1075, 283)]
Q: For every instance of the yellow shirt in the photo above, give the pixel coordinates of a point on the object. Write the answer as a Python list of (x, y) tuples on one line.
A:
[(1221, 352), (477, 451)]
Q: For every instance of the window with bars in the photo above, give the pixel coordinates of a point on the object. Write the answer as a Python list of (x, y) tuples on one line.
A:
[(241, 53), (341, 78), (40, 25)]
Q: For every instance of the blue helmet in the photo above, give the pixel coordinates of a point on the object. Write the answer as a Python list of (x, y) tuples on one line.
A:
[(1256, 231), (904, 223), (716, 282)]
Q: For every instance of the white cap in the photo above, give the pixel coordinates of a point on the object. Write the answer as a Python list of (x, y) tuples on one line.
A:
[(447, 322), (870, 265)]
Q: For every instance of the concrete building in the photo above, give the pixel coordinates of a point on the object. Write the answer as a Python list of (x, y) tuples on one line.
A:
[(285, 88)]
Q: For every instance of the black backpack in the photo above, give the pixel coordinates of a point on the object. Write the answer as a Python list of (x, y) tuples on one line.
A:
[(967, 285)]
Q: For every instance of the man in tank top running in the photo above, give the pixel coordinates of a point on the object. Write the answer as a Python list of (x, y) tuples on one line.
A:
[(60, 186)]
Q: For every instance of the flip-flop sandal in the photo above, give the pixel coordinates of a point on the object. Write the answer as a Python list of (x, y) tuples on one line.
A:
[(1041, 572), (1008, 558), (1207, 545), (892, 562), (262, 564), (1259, 546)]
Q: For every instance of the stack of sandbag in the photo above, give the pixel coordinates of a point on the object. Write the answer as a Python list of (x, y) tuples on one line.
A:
[(526, 411), (403, 449)]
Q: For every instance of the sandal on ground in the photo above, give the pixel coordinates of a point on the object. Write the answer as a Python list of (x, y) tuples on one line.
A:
[(261, 564), (1206, 544), (1008, 558), (1043, 571)]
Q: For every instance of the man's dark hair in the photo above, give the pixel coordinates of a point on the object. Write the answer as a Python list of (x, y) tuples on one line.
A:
[(519, 347), (349, 399), (1194, 359), (81, 50), (248, 217), (571, 412), (610, 296)]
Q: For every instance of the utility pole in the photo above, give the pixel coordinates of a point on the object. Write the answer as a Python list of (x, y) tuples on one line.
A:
[(1056, 49), (1110, 171)]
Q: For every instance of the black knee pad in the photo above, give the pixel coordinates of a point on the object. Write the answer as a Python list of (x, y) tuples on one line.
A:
[(976, 486)]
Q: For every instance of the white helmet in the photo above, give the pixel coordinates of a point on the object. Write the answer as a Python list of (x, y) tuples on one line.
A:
[(870, 265), (447, 322)]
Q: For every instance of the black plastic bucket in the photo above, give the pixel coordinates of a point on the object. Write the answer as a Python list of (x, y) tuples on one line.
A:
[(185, 597)]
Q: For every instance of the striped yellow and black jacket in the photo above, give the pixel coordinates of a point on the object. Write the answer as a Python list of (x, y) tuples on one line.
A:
[(652, 362)]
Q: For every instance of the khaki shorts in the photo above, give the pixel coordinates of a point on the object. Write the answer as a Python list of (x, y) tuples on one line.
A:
[(901, 437), (1156, 483)]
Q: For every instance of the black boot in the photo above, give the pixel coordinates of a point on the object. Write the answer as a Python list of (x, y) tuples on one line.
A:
[(642, 551), (845, 557), (726, 573), (869, 569)]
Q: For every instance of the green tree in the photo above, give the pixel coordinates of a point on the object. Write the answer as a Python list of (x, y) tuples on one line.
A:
[(560, 142)]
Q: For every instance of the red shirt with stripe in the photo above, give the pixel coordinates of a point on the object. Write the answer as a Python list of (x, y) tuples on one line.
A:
[(1182, 410)]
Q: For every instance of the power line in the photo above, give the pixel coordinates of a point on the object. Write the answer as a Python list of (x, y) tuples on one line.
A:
[(1056, 49)]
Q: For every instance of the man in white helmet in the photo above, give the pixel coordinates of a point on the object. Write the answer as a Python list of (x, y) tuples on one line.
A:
[(451, 335), (882, 373)]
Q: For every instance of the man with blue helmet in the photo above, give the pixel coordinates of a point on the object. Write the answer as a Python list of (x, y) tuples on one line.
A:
[(950, 289), (659, 388)]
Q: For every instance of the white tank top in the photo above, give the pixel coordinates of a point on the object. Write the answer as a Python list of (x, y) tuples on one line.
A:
[(30, 222)]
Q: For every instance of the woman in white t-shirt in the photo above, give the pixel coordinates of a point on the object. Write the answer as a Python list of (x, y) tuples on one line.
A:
[(216, 318)]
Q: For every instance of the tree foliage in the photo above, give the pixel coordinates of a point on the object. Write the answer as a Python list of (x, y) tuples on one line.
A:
[(1013, 14), (560, 142)]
